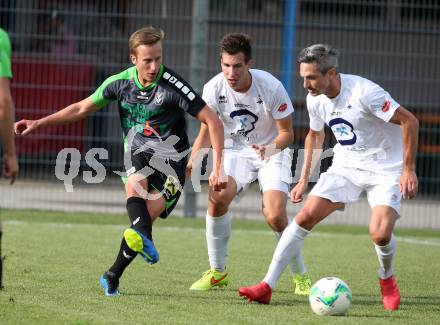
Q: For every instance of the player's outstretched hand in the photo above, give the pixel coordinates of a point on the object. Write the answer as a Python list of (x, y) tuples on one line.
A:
[(25, 126), (296, 195), (409, 185), (218, 180)]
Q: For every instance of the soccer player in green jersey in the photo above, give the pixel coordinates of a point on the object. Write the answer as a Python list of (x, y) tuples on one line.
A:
[(10, 165), (152, 100)]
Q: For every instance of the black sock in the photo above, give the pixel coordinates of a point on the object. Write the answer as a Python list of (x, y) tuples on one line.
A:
[(139, 216), (124, 258), (1, 262)]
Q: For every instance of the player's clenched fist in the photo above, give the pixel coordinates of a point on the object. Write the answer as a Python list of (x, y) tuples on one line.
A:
[(296, 195)]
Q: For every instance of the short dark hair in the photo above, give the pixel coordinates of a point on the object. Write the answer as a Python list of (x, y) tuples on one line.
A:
[(145, 36), (323, 54), (234, 43)]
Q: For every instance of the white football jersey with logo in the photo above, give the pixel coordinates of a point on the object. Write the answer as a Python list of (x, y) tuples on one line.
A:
[(359, 118), (249, 118)]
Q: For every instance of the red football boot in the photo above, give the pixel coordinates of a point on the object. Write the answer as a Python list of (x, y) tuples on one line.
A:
[(390, 293), (261, 293)]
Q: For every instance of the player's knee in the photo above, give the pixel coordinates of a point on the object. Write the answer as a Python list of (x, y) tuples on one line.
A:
[(305, 219), (218, 206), (277, 221), (380, 238)]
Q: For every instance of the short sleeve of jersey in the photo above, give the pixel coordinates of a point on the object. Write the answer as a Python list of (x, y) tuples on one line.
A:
[(210, 97), (192, 104), (188, 99), (316, 122), (105, 93), (282, 105), (379, 102), (5, 55)]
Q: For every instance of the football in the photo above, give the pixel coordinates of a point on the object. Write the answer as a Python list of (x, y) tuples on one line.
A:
[(330, 296)]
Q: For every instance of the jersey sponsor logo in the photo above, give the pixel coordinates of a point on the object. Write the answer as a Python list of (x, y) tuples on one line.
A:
[(343, 131), (282, 107), (179, 85), (242, 105), (386, 106), (247, 120), (158, 98), (149, 129)]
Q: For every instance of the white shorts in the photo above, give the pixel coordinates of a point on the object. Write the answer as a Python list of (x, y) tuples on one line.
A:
[(347, 184), (245, 167)]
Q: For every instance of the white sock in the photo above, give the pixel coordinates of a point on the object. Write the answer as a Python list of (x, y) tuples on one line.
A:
[(288, 248), (385, 255), (218, 232), (297, 265)]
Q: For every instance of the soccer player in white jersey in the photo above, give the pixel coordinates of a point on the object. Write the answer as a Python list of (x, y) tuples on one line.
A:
[(257, 115), (376, 150)]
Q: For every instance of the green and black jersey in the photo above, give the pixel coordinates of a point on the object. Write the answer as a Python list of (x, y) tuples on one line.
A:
[(155, 113)]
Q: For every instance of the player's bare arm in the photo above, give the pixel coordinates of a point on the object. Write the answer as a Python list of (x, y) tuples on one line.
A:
[(282, 141), (410, 139), (202, 141), (72, 113), (312, 152), (10, 164), (217, 179)]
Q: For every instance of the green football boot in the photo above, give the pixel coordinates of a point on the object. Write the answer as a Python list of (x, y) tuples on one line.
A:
[(211, 279), (302, 284)]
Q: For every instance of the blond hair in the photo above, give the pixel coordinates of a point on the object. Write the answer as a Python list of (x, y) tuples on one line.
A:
[(145, 36)]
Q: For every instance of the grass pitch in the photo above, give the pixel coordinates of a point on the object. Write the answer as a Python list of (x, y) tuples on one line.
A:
[(53, 261)]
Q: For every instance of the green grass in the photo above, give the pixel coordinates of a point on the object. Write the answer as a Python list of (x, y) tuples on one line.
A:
[(54, 259)]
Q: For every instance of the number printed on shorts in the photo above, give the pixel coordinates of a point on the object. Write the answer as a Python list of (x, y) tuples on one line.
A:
[(343, 131)]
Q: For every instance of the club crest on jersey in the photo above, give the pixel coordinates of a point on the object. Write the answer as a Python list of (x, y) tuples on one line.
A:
[(158, 98), (247, 120)]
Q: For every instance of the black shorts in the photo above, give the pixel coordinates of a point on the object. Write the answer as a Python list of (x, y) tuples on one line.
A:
[(164, 175)]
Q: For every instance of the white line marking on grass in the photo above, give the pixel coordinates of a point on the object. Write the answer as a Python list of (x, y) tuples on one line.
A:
[(409, 240)]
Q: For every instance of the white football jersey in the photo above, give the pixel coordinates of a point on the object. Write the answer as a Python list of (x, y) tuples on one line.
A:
[(359, 118), (249, 118)]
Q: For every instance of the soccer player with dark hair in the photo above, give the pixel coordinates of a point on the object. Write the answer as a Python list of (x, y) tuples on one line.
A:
[(10, 164), (152, 100), (376, 151), (256, 112)]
